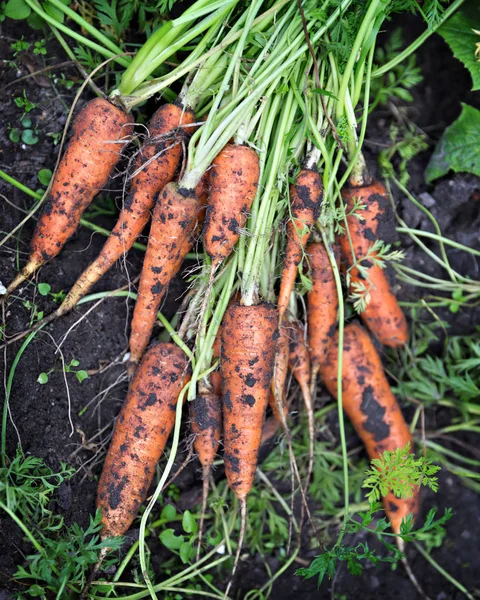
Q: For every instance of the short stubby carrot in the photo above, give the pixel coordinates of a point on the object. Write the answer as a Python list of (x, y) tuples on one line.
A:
[(249, 335), (322, 303), (382, 315), (141, 432), (100, 130), (173, 222), (305, 201), (371, 406), (233, 185), (157, 162)]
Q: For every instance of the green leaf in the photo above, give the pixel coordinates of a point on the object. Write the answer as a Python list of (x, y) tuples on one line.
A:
[(458, 149), (168, 513), (14, 135), (42, 378), (54, 12), (324, 93), (44, 288), (170, 540), (17, 9), (26, 122), (81, 375), (44, 176), (188, 522), (186, 552), (29, 137), (36, 591), (459, 35)]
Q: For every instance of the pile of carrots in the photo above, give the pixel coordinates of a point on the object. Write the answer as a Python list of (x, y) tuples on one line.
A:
[(203, 182)]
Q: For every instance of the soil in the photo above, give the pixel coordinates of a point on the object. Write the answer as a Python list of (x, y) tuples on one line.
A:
[(44, 414)]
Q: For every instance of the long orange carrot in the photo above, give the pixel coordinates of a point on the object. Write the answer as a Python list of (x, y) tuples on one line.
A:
[(173, 223), (99, 132), (206, 419), (305, 200), (141, 432), (299, 364), (322, 302), (156, 165), (370, 406), (249, 335), (382, 315), (233, 184)]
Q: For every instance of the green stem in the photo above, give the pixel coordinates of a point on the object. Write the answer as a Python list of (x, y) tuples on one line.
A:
[(418, 42), (8, 391), (22, 526), (442, 571)]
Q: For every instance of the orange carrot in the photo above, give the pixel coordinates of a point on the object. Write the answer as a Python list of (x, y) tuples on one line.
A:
[(233, 184), (382, 315), (141, 432), (249, 336), (370, 406), (206, 419), (322, 302), (305, 200), (173, 223), (99, 132), (299, 364), (156, 165)]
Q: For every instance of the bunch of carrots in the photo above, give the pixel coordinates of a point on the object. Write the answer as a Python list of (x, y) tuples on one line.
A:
[(247, 168)]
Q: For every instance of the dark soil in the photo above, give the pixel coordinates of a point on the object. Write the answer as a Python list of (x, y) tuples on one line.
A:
[(41, 412)]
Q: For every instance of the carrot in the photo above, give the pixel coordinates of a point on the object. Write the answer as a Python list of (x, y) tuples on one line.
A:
[(299, 364), (370, 406), (141, 432), (233, 184), (305, 199), (156, 165), (322, 302), (173, 222), (249, 335), (99, 131), (206, 419), (382, 315)]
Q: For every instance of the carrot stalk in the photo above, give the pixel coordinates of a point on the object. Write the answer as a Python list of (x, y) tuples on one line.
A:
[(305, 200), (99, 131), (156, 165), (173, 223), (141, 432), (371, 407)]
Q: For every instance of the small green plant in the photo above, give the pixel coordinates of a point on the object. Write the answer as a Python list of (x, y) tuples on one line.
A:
[(182, 544), (80, 374), (400, 472), (24, 103)]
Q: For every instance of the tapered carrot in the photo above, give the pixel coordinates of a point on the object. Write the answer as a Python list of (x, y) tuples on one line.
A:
[(157, 162), (382, 315), (305, 201), (99, 132), (370, 406), (299, 364), (141, 432), (233, 185), (249, 335), (173, 222), (322, 302), (206, 419)]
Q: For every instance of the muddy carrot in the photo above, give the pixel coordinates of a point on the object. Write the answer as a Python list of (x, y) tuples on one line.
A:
[(100, 131), (382, 315), (173, 222), (371, 406), (156, 165), (141, 432), (322, 302), (305, 201)]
